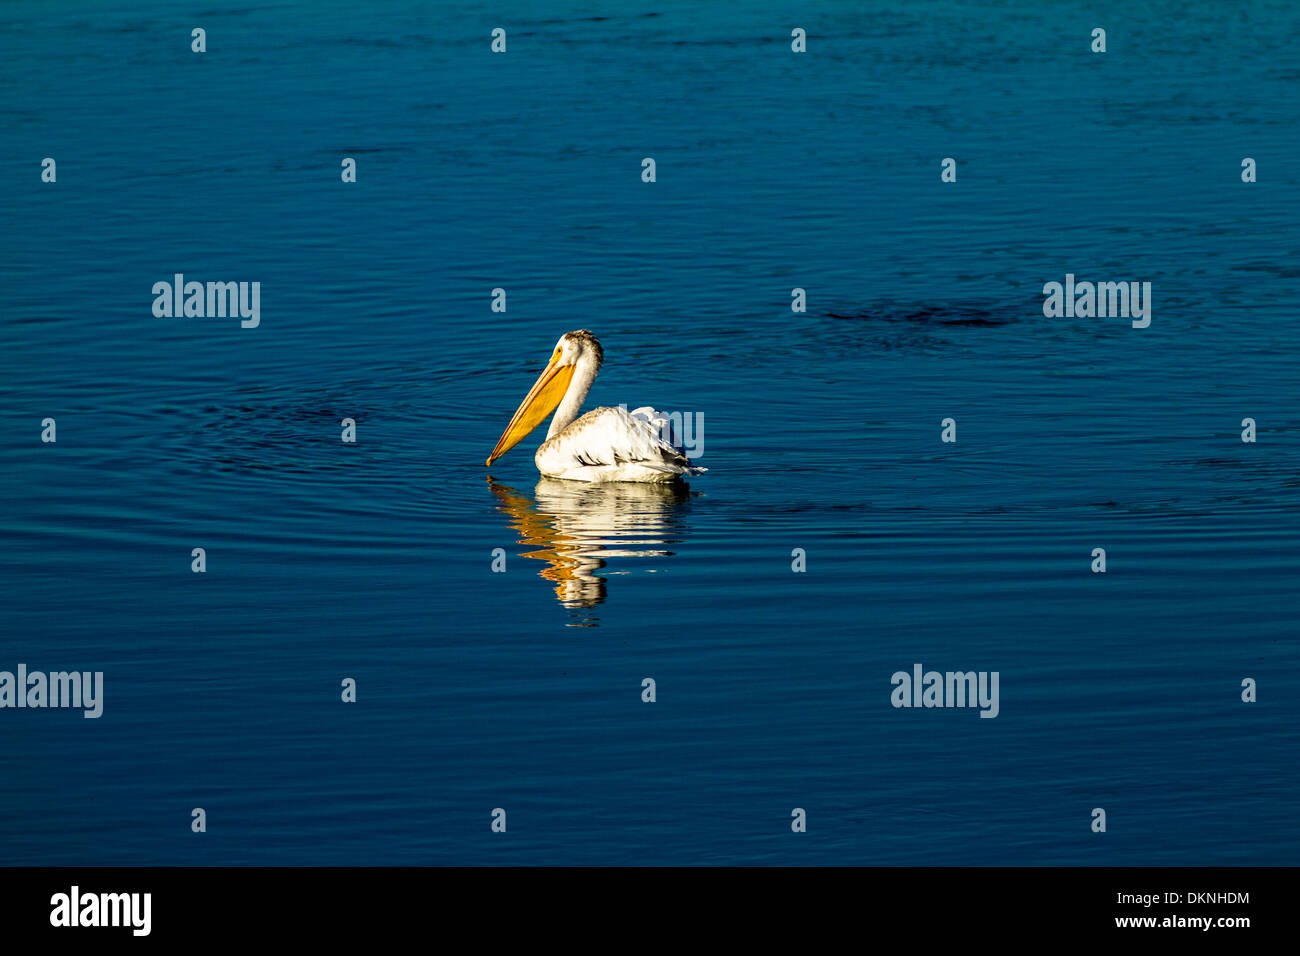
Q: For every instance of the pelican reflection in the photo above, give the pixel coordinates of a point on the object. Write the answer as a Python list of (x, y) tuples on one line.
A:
[(576, 526)]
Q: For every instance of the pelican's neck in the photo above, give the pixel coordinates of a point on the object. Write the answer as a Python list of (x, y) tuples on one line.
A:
[(584, 374)]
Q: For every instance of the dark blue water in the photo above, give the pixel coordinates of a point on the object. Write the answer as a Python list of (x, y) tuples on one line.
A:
[(821, 430)]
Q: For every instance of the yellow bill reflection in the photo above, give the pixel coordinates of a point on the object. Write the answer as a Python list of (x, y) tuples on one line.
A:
[(576, 527)]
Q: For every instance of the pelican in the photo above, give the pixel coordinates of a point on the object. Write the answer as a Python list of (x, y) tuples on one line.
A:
[(606, 444)]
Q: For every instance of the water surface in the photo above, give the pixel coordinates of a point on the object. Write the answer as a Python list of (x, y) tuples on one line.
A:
[(821, 431)]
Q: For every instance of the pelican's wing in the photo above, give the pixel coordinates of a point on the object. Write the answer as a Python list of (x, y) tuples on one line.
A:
[(615, 436)]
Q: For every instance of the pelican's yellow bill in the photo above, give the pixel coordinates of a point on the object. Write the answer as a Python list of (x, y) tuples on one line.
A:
[(546, 393)]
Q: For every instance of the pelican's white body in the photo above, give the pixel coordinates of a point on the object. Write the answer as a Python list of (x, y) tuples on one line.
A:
[(613, 444)]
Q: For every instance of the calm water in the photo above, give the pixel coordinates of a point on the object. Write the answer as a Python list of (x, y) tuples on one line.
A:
[(821, 431)]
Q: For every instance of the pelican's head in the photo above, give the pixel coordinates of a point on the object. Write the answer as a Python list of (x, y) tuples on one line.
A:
[(572, 349)]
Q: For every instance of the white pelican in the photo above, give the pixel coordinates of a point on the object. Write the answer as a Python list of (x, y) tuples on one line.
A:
[(606, 444)]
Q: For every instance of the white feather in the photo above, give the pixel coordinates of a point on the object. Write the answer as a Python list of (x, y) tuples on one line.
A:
[(613, 444)]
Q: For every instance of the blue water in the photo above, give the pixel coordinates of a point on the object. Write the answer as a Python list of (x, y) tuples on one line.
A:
[(522, 690)]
